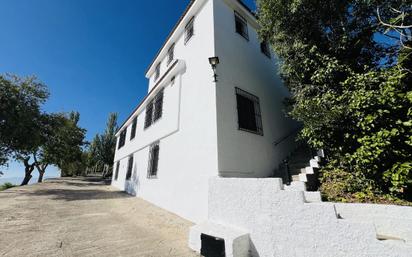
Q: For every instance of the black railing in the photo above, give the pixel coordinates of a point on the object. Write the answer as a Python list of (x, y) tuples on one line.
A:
[(280, 140)]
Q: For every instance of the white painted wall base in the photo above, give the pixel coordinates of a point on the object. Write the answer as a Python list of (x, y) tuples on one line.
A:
[(282, 223)]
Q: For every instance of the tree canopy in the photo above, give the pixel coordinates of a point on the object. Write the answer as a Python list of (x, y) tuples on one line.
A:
[(349, 77)]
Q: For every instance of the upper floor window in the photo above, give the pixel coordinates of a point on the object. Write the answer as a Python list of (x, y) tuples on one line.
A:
[(116, 172), (264, 48), (122, 138), (153, 160), (134, 125), (241, 26), (129, 168), (170, 54), (154, 109), (157, 71), (248, 112), (189, 29)]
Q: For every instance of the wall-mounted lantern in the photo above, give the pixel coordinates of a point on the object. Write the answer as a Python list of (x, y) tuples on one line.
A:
[(214, 61)]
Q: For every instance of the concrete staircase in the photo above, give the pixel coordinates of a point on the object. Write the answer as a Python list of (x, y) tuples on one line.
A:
[(300, 169)]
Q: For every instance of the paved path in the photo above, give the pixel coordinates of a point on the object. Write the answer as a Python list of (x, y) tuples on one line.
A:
[(85, 217)]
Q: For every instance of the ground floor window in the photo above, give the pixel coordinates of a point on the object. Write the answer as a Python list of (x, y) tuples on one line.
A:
[(153, 160), (129, 168), (248, 112), (116, 172)]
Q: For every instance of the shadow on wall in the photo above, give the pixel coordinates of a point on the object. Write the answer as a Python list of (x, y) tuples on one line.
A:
[(132, 186)]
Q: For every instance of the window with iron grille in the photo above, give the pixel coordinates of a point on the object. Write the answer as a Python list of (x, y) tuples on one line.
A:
[(241, 26), (134, 125), (158, 106), (129, 168), (149, 115), (264, 48), (189, 29), (153, 160), (157, 71), (154, 109), (116, 172), (122, 138), (170, 54), (248, 112)]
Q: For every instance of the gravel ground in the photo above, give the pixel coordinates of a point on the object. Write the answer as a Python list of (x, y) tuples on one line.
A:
[(86, 217)]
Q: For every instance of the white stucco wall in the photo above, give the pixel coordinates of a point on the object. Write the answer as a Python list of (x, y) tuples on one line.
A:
[(187, 131), (243, 65), (280, 223)]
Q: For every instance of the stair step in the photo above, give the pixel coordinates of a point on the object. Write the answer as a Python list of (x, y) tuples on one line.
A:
[(313, 197), (296, 186)]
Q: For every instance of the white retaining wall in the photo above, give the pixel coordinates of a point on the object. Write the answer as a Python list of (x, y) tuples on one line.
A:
[(281, 223)]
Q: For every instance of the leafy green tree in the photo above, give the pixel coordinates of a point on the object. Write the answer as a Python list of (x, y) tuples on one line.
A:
[(102, 148), (350, 87), (21, 119)]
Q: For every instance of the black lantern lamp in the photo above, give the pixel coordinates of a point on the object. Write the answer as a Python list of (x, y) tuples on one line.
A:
[(214, 61)]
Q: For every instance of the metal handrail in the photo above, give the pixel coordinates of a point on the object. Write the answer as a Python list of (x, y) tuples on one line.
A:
[(277, 142)]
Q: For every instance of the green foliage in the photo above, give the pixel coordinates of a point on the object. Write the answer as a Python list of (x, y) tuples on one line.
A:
[(351, 92), (20, 115), (6, 186)]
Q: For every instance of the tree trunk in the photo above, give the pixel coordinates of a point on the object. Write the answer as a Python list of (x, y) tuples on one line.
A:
[(28, 169), (41, 168), (40, 177)]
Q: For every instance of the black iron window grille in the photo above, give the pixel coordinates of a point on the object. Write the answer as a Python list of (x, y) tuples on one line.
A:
[(116, 172), (129, 168), (241, 26), (153, 161), (122, 138), (134, 125), (264, 48), (171, 54), (158, 106), (189, 29), (149, 115), (248, 112), (157, 71), (154, 109)]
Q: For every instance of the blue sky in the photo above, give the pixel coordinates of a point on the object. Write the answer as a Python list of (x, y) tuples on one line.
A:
[(92, 54)]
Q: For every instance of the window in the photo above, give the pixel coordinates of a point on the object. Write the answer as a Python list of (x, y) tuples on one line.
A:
[(134, 125), (149, 115), (116, 172), (157, 72), (122, 138), (170, 54), (248, 112), (264, 48), (129, 168), (241, 26), (153, 161), (154, 109), (158, 106), (189, 30)]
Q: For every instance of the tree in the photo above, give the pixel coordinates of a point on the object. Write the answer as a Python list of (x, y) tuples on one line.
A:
[(21, 119), (64, 144), (350, 87), (102, 147)]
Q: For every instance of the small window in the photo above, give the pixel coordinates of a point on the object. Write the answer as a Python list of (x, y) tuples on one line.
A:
[(154, 109), (241, 26), (122, 138), (129, 168), (189, 30), (170, 54), (157, 72), (116, 172), (134, 125), (248, 111), (158, 106), (264, 48), (149, 115), (153, 161)]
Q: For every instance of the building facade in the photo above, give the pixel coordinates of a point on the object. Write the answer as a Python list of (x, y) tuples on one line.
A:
[(189, 127)]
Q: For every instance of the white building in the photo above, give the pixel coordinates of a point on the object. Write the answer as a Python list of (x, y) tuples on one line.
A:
[(189, 128)]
